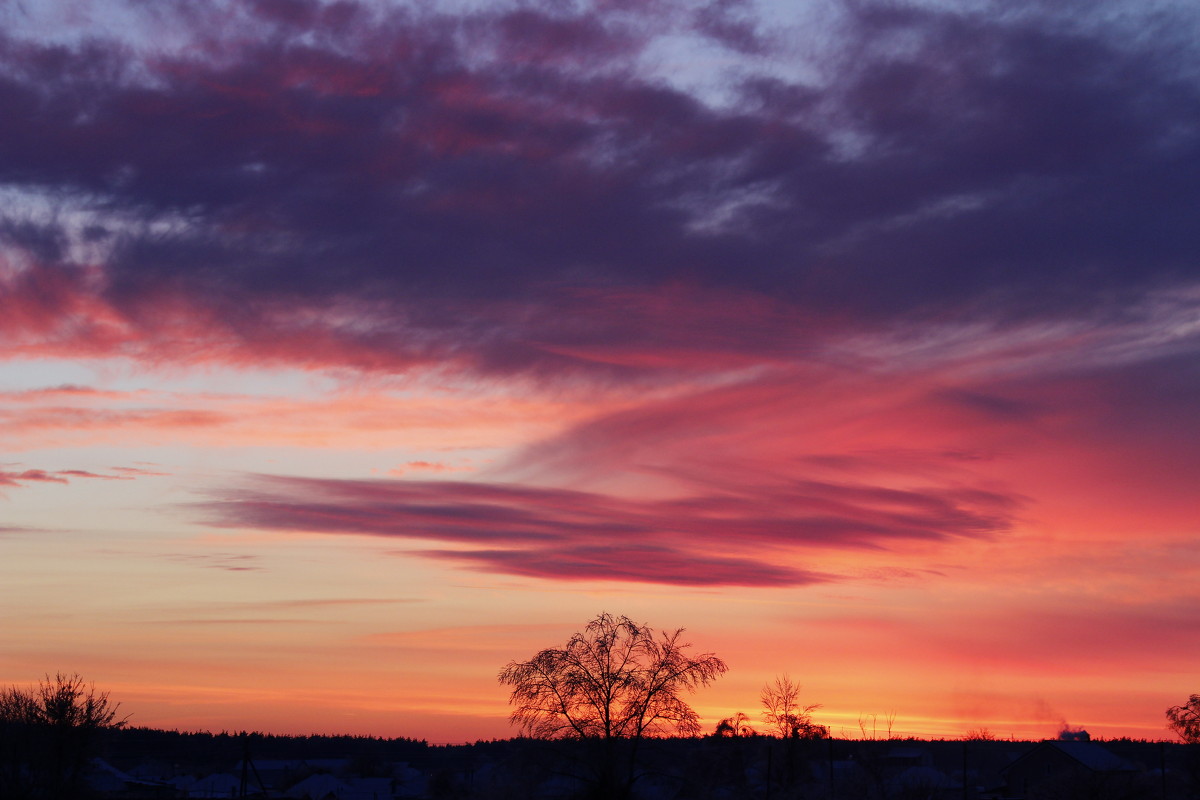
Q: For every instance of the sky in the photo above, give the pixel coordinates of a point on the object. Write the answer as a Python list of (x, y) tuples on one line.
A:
[(352, 350)]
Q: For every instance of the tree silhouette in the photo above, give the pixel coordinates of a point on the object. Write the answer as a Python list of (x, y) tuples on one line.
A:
[(979, 735), (614, 681), (47, 732), (736, 726), (1185, 720), (783, 713)]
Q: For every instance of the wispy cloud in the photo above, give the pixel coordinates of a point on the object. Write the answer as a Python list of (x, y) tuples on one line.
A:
[(422, 415), (572, 535), (16, 478), (8, 478), (227, 562), (83, 473), (632, 563), (144, 472), (6, 530)]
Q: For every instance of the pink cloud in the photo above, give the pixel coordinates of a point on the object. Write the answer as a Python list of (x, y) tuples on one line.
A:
[(371, 417), (63, 476), (631, 563), (29, 476), (574, 535), (82, 473), (135, 472)]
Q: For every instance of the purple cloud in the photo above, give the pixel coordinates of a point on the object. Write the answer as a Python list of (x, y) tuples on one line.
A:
[(718, 539), (382, 188), (635, 563)]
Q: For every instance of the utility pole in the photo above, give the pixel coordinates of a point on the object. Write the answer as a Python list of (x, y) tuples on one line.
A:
[(832, 793), (964, 770), (770, 750), (245, 764)]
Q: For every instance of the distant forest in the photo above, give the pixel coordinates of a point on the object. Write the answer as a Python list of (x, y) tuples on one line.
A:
[(705, 768)]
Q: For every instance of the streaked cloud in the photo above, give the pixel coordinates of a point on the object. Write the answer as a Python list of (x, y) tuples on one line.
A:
[(573, 535), (20, 477), (227, 562)]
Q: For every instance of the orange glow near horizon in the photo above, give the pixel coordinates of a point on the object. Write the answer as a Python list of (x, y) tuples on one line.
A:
[(306, 628), (337, 373)]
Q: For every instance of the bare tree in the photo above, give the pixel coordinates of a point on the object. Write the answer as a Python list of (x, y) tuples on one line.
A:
[(614, 681), (1185, 720), (18, 707), (862, 725), (979, 735), (46, 733), (63, 701), (736, 726), (783, 713), (889, 721)]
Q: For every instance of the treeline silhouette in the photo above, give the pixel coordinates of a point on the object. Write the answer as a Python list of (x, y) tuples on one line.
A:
[(709, 767), (226, 747), (615, 697), (706, 767)]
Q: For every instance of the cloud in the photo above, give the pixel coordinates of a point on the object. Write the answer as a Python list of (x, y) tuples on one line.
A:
[(82, 473), (15, 478), (392, 188), (732, 538), (732, 24), (29, 476), (766, 479), (424, 416), (9, 530), (133, 472), (637, 564), (228, 562)]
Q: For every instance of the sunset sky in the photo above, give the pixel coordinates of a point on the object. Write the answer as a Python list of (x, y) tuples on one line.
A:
[(351, 350)]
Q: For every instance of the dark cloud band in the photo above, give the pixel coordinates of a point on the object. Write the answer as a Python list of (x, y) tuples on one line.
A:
[(383, 189)]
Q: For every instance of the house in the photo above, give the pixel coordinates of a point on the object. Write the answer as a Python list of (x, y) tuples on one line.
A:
[(220, 784), (318, 787), (898, 759), (1061, 769), (323, 786), (106, 780)]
